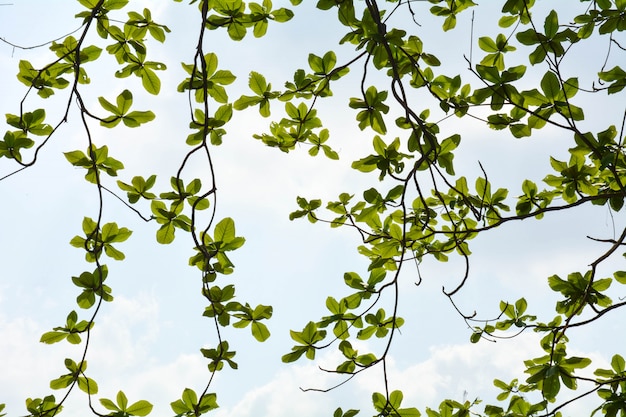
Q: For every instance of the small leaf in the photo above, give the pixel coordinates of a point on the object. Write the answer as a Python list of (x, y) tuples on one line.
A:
[(124, 101), (620, 276), (257, 83), (52, 337), (550, 86), (108, 404), (225, 230), (140, 408), (260, 331)]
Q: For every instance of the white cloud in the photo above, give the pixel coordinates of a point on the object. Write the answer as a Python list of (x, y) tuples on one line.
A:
[(283, 397), (447, 372), (26, 365), (125, 331), (122, 355), (451, 370), (163, 383)]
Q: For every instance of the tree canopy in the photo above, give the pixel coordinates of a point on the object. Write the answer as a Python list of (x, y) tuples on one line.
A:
[(420, 82)]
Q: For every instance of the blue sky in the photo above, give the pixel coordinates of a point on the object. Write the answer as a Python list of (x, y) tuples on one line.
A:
[(147, 341)]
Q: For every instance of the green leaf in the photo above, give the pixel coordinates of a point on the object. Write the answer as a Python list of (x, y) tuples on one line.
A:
[(551, 24), (244, 102), (551, 86), (166, 233), (617, 77), (53, 337), (620, 276), (108, 106), (507, 21), (124, 101), (180, 408), (487, 44), (62, 382), (295, 355), (257, 83), (189, 397), (90, 4), (77, 158), (140, 408), (122, 401), (225, 230), (618, 364), (137, 118), (87, 385), (260, 331), (108, 404), (150, 81)]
